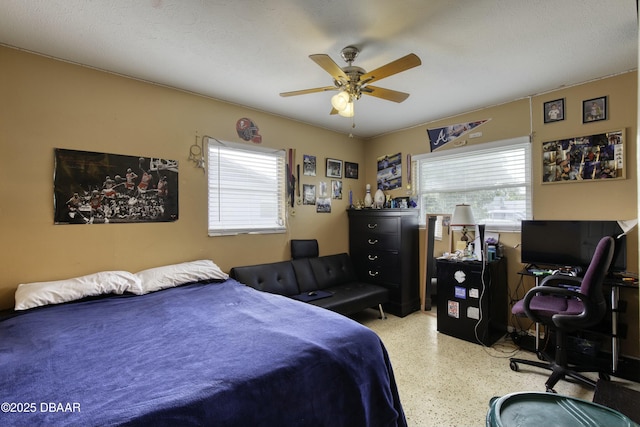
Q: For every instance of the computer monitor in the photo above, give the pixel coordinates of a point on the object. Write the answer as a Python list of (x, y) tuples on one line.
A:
[(564, 243)]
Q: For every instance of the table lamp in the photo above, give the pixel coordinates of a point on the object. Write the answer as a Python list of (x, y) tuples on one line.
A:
[(462, 216)]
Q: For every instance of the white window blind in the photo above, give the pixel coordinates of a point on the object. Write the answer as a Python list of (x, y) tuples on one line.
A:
[(494, 178), (246, 189)]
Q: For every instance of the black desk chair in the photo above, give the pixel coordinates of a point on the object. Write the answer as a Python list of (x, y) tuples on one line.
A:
[(563, 310)]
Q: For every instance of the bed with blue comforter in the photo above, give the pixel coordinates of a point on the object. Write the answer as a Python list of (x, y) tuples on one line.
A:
[(219, 354)]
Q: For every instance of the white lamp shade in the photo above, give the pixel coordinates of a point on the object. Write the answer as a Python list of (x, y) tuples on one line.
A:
[(347, 111), (340, 100), (462, 215)]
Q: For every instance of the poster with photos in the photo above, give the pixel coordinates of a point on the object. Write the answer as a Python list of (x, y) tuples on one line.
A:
[(389, 172), (101, 188), (584, 158)]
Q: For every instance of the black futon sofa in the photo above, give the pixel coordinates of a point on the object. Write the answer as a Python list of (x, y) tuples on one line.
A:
[(326, 281)]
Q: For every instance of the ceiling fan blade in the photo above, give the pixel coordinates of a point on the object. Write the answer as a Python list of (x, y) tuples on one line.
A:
[(329, 66), (387, 94), (394, 67), (305, 91)]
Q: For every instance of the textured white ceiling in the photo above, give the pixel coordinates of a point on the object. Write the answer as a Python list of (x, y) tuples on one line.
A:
[(474, 53)]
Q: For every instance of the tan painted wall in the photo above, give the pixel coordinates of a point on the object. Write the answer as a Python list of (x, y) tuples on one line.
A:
[(585, 200), (49, 104)]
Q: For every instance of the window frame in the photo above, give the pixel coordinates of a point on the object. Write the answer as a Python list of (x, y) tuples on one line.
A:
[(217, 226), (468, 152)]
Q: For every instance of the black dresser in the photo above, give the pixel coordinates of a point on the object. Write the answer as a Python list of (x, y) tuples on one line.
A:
[(384, 248)]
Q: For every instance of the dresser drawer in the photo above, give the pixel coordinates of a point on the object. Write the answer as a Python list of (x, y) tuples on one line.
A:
[(376, 258), (372, 224), (382, 275), (373, 241)]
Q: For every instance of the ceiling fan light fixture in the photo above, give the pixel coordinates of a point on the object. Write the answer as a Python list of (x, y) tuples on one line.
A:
[(340, 100), (348, 111)]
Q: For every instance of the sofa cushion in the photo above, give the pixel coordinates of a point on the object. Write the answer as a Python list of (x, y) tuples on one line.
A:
[(332, 270), (276, 278), (353, 297), (304, 275)]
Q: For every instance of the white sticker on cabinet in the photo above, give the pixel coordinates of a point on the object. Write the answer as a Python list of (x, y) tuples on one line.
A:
[(473, 313)]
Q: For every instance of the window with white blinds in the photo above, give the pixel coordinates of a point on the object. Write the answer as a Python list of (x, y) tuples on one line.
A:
[(246, 189), (494, 178)]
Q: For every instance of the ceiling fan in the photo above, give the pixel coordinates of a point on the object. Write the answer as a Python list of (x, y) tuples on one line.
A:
[(353, 82)]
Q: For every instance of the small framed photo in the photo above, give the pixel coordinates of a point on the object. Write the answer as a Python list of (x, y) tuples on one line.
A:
[(309, 165), (336, 189), (594, 110), (334, 168), (309, 194), (350, 170), (554, 111), (323, 205)]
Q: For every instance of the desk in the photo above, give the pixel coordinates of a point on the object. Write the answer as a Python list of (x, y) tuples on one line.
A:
[(615, 283)]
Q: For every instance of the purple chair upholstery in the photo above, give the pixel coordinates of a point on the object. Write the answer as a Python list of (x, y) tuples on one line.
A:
[(565, 304)]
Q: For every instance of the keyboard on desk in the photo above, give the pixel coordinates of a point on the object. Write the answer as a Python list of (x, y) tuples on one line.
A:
[(539, 271)]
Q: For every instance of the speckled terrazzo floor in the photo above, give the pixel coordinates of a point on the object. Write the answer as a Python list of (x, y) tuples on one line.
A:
[(445, 381)]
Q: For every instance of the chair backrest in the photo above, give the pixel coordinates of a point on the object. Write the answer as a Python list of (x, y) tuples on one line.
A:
[(591, 286), (598, 267), (301, 248)]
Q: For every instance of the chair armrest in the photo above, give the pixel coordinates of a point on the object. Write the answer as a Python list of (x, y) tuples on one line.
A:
[(561, 280), (591, 307)]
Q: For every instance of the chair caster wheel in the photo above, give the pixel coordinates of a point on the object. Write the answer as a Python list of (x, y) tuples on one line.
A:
[(514, 366), (540, 356), (604, 376), (550, 390)]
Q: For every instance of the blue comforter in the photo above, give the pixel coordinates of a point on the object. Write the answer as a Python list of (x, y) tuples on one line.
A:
[(219, 354)]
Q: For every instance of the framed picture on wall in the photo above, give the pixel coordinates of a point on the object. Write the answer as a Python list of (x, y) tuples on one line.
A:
[(309, 163), (334, 168), (350, 170), (336, 189), (554, 111), (584, 158), (309, 194), (594, 110), (102, 188)]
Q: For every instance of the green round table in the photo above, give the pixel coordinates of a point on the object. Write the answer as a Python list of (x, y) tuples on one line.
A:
[(536, 409)]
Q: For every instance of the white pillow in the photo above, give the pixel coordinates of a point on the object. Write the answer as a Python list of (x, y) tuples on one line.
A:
[(169, 276), (29, 295)]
